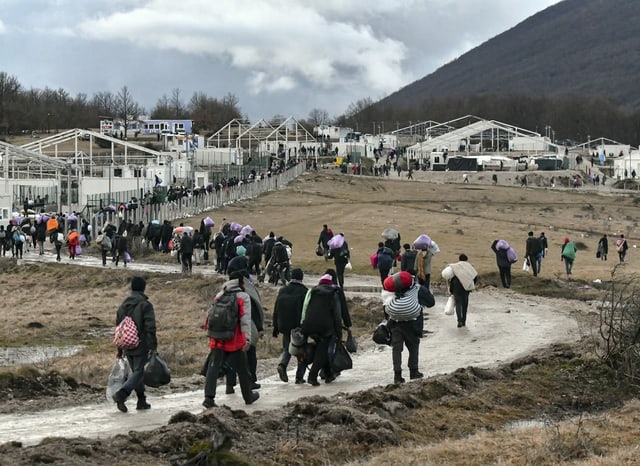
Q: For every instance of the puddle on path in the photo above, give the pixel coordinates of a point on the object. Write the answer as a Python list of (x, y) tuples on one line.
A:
[(11, 356)]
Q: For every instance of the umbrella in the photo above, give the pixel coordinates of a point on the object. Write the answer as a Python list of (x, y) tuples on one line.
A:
[(180, 230), (390, 233)]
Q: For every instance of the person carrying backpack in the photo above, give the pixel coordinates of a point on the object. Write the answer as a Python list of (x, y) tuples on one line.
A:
[(139, 308), (621, 248), (228, 326), (18, 242)]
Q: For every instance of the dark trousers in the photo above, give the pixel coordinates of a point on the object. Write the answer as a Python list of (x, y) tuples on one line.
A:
[(505, 276), (104, 256), (286, 356), (462, 303), (187, 260), (322, 357), (533, 263), (384, 273), (238, 359), (340, 273), (405, 334), (252, 365), (135, 381)]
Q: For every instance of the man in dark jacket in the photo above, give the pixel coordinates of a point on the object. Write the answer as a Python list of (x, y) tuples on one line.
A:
[(408, 261), (138, 307), (325, 235), (533, 250), (186, 251), (323, 323), (386, 258), (286, 316)]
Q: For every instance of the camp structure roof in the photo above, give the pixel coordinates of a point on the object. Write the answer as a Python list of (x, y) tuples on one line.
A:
[(243, 135), (117, 151), (449, 134), (20, 163)]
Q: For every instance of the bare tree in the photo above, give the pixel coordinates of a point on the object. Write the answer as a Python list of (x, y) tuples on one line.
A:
[(177, 106), (162, 109), (318, 116), (9, 92), (126, 108)]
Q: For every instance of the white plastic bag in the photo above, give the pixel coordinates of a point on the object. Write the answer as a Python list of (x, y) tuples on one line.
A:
[(450, 307), (525, 265), (117, 377), (348, 266)]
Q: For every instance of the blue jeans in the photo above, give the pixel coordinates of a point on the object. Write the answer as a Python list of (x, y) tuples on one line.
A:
[(135, 381)]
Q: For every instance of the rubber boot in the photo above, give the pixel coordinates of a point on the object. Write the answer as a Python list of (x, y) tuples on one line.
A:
[(397, 377)]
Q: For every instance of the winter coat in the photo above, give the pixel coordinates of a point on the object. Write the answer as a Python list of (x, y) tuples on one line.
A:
[(501, 255), (340, 255), (137, 306), (533, 247), (408, 261), (407, 305), (242, 333), (385, 258), (257, 311), (322, 318), (41, 231), (288, 307), (186, 244)]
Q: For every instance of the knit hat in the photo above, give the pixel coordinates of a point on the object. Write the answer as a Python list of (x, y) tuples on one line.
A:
[(138, 284), (399, 281), (297, 274), (237, 267), (325, 280), (566, 240)]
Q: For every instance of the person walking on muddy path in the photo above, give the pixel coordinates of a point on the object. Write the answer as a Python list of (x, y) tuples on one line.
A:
[(139, 308), (462, 277), (568, 255), (505, 257), (386, 257), (233, 350), (603, 248), (533, 249), (286, 316), (339, 252), (621, 248), (403, 300)]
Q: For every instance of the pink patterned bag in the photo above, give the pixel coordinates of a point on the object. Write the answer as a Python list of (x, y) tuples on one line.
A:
[(126, 334)]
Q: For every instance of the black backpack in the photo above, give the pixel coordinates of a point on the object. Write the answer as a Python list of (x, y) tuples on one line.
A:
[(280, 253), (223, 316)]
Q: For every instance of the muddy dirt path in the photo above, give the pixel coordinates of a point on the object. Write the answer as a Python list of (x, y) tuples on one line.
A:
[(501, 326)]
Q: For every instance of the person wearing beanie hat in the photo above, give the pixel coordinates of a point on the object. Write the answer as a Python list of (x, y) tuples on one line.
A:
[(322, 321), (186, 252), (344, 309), (403, 300), (139, 308), (233, 351), (287, 312)]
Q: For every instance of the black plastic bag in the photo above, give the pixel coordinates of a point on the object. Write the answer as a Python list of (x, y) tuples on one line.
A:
[(341, 358), (382, 334), (319, 251), (156, 372), (351, 344)]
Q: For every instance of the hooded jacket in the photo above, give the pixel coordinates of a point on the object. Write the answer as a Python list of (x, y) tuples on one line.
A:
[(138, 307)]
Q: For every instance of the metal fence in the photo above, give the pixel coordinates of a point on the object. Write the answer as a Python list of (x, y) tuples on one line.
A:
[(193, 205)]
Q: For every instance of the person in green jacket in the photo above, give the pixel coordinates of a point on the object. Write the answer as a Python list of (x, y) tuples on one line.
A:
[(568, 255)]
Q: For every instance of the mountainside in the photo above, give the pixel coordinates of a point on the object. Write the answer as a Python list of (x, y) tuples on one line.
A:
[(577, 47)]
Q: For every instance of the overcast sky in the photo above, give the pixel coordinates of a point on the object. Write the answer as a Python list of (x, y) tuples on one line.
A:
[(277, 56)]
